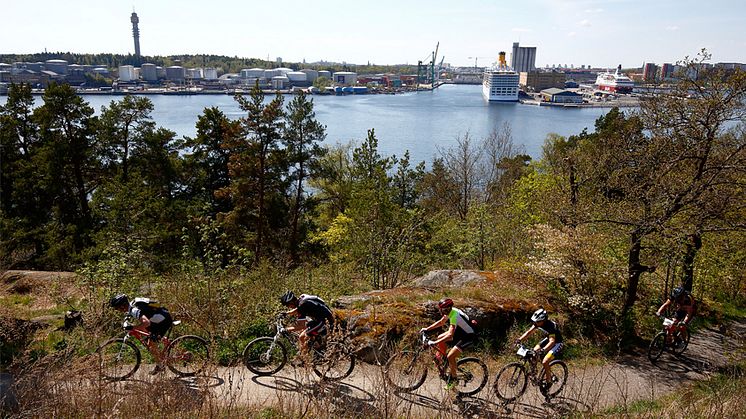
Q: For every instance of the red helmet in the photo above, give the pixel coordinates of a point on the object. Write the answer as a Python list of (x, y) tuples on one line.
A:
[(445, 303)]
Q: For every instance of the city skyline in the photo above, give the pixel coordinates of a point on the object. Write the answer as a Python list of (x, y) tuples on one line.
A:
[(578, 32)]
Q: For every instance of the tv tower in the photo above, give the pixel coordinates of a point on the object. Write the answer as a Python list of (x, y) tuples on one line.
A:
[(135, 32)]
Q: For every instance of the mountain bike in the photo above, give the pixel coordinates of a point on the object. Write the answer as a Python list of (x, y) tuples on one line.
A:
[(407, 370), (512, 379), (330, 358), (119, 358), (670, 337)]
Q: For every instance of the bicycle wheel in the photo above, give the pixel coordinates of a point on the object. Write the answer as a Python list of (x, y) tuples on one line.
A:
[(511, 381), (406, 371), (334, 363), (558, 370), (187, 355), (264, 356), (657, 345), (680, 345), (118, 359), (472, 376)]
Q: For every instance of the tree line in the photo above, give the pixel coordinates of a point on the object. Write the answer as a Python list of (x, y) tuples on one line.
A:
[(606, 218)]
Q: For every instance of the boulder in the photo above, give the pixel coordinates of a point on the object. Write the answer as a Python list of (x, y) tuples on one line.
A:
[(449, 279)]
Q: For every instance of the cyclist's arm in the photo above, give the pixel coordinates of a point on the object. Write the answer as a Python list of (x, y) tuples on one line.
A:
[(448, 335), (550, 344), (439, 323), (663, 307), (527, 333)]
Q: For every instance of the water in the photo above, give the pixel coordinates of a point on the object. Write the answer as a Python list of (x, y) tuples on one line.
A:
[(422, 122)]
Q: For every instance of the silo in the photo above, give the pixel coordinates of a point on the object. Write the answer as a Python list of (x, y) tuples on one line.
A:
[(269, 74), (175, 73), (283, 70), (194, 73), (324, 73), (58, 66), (149, 72), (311, 75), (211, 73), (252, 73), (127, 73), (102, 71)]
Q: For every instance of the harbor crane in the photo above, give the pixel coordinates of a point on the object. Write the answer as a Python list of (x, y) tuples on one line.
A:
[(426, 72), (476, 59)]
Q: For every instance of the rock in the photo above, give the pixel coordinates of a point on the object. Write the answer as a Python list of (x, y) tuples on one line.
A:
[(8, 401), (449, 279)]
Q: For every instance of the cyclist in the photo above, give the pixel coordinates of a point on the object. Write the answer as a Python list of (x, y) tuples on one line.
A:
[(684, 305), (314, 316), (460, 331), (154, 319), (552, 344)]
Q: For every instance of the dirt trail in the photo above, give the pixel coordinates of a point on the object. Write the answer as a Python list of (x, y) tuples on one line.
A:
[(590, 389)]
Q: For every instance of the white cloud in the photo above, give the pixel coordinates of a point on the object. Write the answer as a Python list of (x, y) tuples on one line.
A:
[(520, 30), (593, 10), (672, 28), (571, 34), (585, 22)]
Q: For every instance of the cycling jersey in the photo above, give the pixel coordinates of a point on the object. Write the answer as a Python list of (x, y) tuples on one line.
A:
[(460, 320), (314, 308), (552, 330), (687, 306), (159, 317)]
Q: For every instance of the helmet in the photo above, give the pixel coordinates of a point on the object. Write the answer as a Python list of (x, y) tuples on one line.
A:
[(288, 298), (677, 292), (539, 315), (445, 303), (119, 300)]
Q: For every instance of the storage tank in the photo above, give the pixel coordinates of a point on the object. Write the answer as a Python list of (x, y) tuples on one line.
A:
[(269, 74), (311, 75), (284, 70), (175, 73), (211, 73), (324, 73), (58, 66), (102, 71), (280, 82), (149, 72), (297, 77), (194, 73), (253, 73), (127, 73)]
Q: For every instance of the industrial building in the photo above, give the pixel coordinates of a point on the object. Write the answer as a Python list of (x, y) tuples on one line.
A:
[(149, 72), (523, 59), (175, 73), (539, 80), (127, 73), (57, 66), (555, 95), (649, 72), (345, 78)]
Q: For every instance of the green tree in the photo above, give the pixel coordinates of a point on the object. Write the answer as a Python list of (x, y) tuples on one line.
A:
[(303, 135), (123, 127)]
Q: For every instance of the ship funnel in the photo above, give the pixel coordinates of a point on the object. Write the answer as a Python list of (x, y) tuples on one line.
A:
[(502, 61)]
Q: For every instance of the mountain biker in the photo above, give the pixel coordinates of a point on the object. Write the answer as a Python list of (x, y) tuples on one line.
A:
[(314, 316), (154, 319), (684, 306), (552, 344), (460, 331)]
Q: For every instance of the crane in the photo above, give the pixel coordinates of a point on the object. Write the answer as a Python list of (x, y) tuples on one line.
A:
[(477, 58)]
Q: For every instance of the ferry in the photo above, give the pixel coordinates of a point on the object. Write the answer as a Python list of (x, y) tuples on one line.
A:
[(615, 82), (500, 82)]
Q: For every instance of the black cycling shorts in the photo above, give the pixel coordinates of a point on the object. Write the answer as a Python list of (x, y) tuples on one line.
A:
[(160, 323), (463, 340), (318, 327)]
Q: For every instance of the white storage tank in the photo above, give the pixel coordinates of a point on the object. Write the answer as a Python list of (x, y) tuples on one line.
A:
[(346, 78), (296, 76), (58, 66), (194, 73), (280, 82), (252, 73), (127, 73), (211, 73), (102, 71), (175, 72), (284, 70), (149, 72), (268, 74), (324, 73), (311, 75)]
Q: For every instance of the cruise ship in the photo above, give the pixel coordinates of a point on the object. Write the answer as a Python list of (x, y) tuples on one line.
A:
[(615, 82), (500, 83)]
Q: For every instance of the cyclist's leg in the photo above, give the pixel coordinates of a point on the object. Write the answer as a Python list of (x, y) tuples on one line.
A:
[(553, 353), (541, 344), (463, 341), (442, 347)]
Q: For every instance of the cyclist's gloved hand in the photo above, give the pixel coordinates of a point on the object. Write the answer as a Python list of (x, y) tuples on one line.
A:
[(423, 330), (430, 342), (681, 323)]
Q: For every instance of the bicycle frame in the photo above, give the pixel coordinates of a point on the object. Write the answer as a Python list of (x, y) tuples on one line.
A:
[(142, 336), (531, 359), (442, 362)]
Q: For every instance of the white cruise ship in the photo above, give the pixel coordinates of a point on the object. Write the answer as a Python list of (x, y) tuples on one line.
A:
[(500, 83), (615, 82)]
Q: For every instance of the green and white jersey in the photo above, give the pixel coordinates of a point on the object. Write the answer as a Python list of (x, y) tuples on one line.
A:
[(460, 319)]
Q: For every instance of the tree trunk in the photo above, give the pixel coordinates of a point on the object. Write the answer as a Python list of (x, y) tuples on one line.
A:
[(634, 270), (693, 245)]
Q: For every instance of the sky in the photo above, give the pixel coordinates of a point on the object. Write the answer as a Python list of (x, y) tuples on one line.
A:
[(599, 33)]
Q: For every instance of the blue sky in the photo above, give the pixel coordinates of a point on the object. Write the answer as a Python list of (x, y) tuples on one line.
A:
[(590, 32)]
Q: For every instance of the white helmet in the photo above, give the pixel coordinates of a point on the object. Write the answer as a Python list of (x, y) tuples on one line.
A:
[(539, 315)]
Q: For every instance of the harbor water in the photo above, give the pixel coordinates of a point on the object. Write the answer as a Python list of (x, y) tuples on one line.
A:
[(425, 123)]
